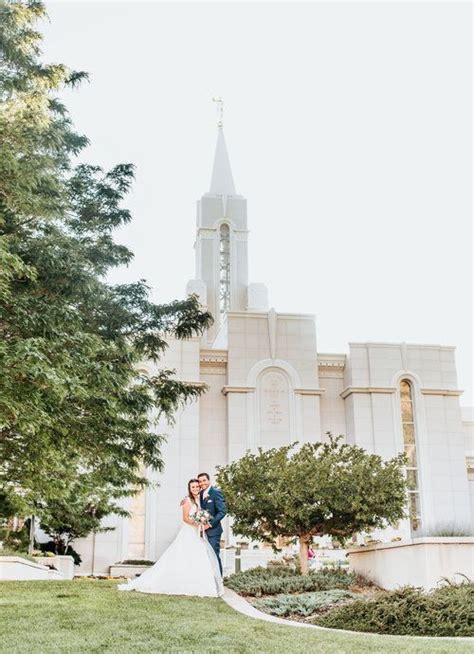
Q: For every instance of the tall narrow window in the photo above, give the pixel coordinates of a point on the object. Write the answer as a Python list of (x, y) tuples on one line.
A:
[(224, 269), (409, 442)]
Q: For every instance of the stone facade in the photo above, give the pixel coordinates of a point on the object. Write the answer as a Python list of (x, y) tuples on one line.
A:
[(269, 386)]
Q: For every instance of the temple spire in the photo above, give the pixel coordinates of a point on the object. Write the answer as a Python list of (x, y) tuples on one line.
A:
[(222, 182)]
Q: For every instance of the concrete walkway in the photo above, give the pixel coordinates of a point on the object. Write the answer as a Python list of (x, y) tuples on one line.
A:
[(238, 603)]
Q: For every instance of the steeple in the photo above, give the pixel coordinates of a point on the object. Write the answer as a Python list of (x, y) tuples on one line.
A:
[(222, 182), (221, 241)]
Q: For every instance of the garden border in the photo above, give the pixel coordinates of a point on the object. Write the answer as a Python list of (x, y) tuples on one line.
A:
[(240, 604)]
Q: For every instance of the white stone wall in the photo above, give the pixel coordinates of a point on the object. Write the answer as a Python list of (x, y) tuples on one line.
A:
[(422, 562), (213, 415), (180, 453), (105, 548), (273, 388), (467, 415), (373, 420), (331, 378)]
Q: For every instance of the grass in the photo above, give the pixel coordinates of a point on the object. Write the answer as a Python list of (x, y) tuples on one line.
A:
[(92, 616)]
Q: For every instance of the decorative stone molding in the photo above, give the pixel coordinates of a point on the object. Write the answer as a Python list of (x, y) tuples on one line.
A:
[(272, 332), (213, 369), (331, 360), (238, 389), (331, 365), (264, 314), (330, 373), (393, 389), (213, 362), (441, 391), (367, 389), (309, 391), (410, 346)]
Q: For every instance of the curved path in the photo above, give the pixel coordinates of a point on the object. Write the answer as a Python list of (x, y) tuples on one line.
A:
[(238, 603)]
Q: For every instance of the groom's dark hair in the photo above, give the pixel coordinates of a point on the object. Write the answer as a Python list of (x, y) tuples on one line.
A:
[(204, 474)]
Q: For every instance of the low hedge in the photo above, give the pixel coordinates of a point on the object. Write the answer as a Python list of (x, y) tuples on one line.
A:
[(12, 552), (446, 611), (268, 581), (302, 605)]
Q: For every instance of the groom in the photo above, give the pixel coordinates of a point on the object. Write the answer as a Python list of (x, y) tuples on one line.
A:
[(212, 500)]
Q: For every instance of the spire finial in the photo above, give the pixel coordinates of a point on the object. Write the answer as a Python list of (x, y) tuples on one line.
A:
[(220, 109)]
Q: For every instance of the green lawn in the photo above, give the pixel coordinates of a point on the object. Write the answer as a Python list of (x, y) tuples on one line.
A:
[(92, 616)]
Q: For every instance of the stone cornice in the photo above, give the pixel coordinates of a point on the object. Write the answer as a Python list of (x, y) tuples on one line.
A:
[(212, 230), (331, 365), (349, 390), (433, 346), (252, 389), (264, 314), (238, 389), (213, 362), (213, 356), (331, 360), (309, 391), (441, 391)]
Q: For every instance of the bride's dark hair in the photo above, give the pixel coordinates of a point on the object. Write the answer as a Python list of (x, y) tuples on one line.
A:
[(190, 495)]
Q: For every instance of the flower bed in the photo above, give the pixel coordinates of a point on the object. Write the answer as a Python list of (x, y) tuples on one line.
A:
[(338, 599)]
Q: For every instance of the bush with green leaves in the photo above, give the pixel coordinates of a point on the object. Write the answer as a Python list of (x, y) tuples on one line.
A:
[(303, 605), (75, 409), (268, 581), (328, 488), (7, 551), (446, 611), (57, 547), (137, 562)]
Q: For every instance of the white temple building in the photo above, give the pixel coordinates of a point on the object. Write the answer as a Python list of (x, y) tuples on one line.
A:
[(268, 385)]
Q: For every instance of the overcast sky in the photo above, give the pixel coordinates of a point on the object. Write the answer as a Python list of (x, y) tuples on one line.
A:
[(349, 132)]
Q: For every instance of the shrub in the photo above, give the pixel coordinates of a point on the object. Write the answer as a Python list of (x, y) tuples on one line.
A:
[(272, 581), (446, 611), (302, 605), (52, 546), (137, 562), (13, 552), (449, 529)]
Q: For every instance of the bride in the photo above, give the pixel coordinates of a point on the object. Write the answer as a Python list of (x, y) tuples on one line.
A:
[(189, 566)]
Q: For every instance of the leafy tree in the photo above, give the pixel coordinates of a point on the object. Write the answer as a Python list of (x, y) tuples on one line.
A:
[(328, 488), (71, 400)]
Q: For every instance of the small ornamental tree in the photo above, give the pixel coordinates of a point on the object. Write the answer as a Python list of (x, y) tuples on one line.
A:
[(319, 489)]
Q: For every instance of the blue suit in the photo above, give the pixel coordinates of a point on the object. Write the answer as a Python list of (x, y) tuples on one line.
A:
[(214, 504)]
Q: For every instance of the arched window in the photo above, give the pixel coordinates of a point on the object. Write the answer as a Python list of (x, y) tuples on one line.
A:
[(224, 269), (409, 442)]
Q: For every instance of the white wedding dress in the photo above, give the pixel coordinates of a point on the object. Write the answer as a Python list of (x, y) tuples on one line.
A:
[(188, 567)]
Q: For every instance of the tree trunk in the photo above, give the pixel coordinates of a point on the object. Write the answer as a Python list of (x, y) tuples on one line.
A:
[(31, 540), (304, 542)]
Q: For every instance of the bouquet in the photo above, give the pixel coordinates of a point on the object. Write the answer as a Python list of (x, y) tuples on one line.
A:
[(201, 518)]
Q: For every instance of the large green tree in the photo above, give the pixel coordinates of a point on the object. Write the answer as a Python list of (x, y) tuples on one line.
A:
[(71, 399), (324, 488)]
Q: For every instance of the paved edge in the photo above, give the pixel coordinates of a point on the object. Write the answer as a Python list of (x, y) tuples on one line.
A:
[(240, 604)]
